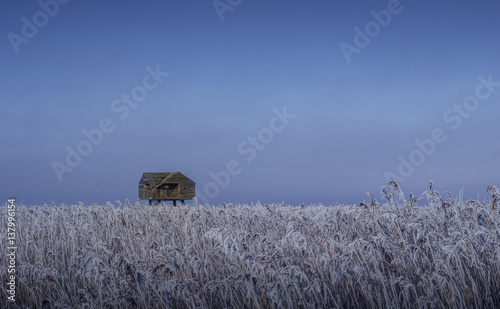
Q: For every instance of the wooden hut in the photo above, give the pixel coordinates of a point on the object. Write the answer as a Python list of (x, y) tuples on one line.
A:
[(172, 186)]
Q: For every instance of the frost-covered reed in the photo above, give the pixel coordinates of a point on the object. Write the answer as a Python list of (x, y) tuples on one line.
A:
[(441, 254)]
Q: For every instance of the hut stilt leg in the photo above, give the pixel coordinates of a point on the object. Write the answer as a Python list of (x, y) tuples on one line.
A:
[(175, 203)]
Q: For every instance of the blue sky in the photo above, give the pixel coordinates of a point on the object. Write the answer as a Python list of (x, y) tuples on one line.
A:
[(353, 121)]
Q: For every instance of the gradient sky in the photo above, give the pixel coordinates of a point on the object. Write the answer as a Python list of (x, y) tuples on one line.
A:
[(354, 121)]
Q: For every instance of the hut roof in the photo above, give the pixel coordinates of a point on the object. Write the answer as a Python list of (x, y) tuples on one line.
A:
[(157, 179)]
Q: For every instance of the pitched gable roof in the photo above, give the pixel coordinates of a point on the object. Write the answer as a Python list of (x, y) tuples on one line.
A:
[(157, 179)]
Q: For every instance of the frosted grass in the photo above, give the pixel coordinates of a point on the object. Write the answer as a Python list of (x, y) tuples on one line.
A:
[(396, 254)]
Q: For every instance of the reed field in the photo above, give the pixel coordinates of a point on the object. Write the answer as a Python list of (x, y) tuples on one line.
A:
[(430, 251)]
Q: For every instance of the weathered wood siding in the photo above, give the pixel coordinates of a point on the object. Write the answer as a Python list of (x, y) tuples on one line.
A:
[(169, 186)]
